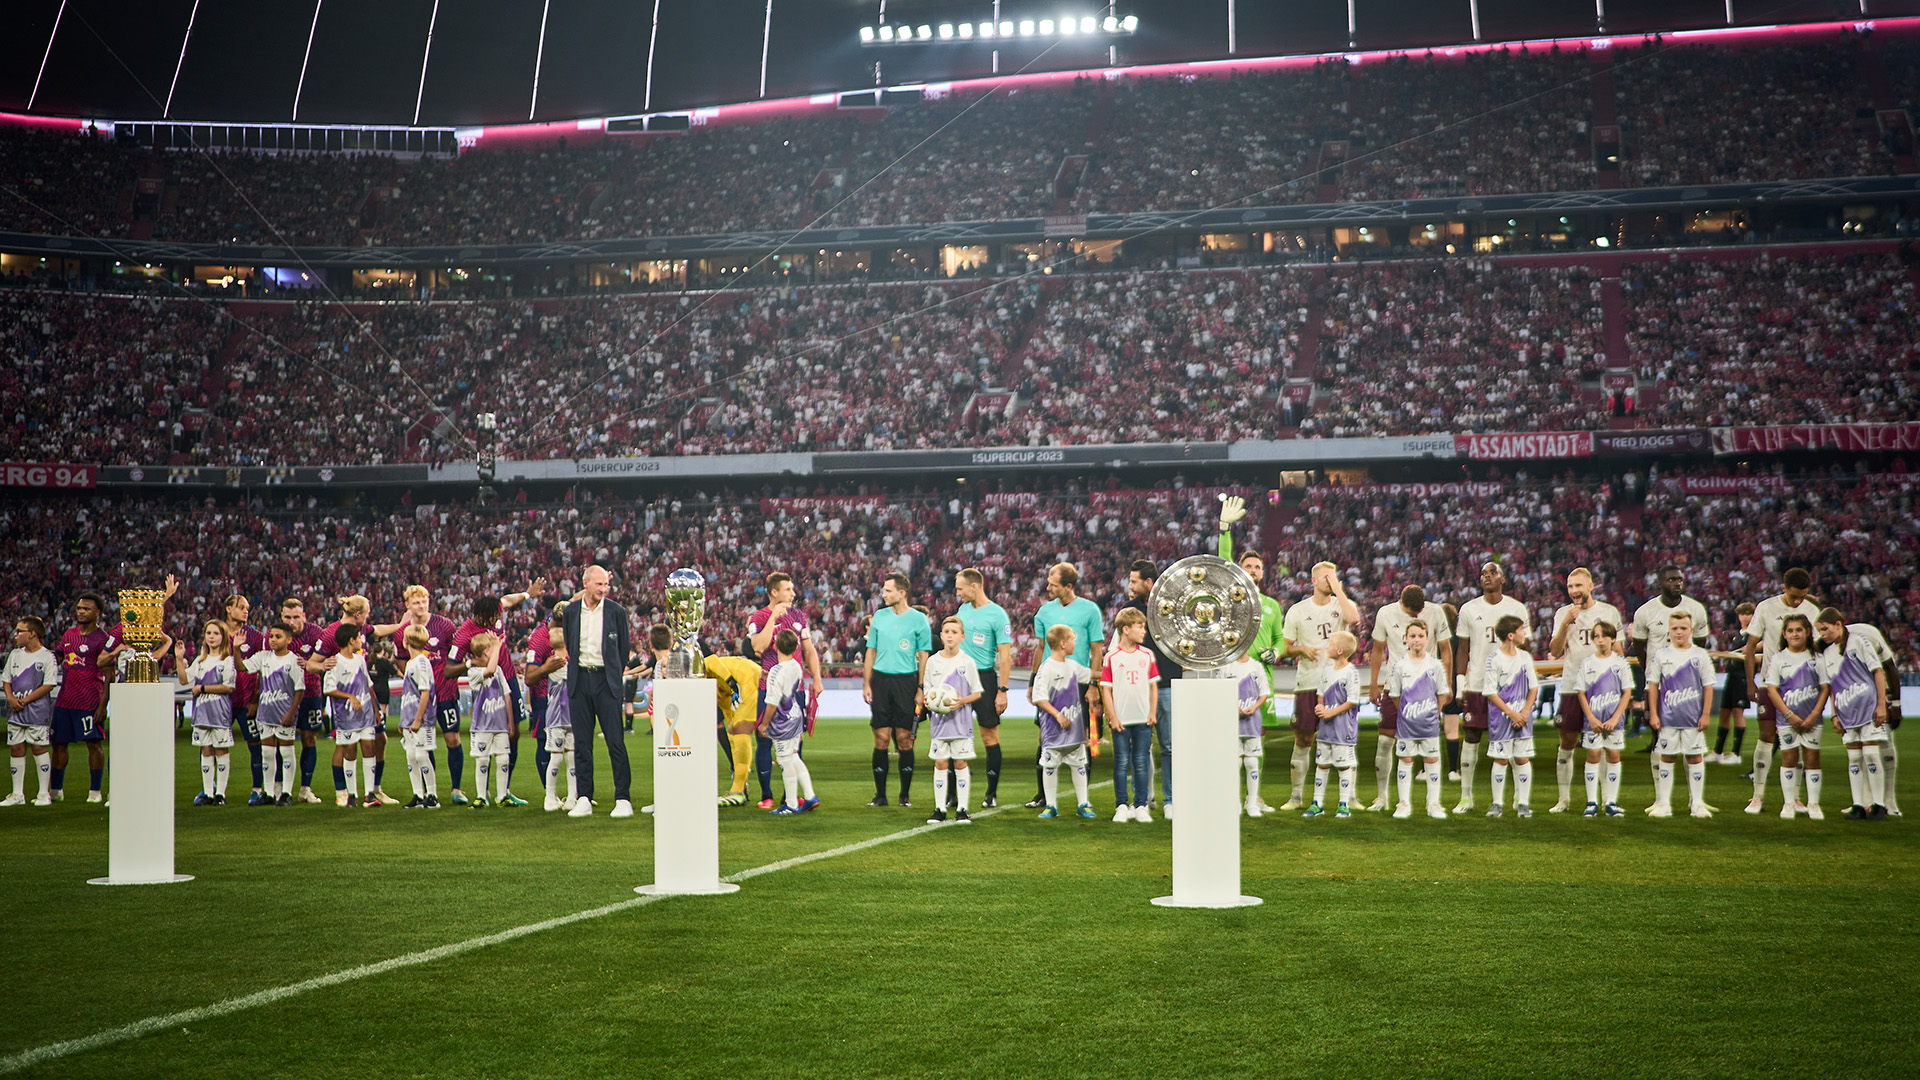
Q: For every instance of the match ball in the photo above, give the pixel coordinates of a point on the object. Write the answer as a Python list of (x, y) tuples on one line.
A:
[(941, 698)]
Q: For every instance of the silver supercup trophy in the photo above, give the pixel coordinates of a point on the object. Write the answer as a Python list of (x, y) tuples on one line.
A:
[(1204, 612), (686, 611)]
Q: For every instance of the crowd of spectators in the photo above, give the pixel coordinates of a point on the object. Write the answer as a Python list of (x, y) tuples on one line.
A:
[(1775, 340)]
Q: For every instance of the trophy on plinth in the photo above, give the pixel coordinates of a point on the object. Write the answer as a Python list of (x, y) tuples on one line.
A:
[(686, 817), (1203, 612), (142, 612)]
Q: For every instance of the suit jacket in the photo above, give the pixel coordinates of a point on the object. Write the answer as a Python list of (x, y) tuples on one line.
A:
[(616, 638)]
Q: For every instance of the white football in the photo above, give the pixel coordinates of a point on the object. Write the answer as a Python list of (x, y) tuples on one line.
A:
[(941, 698)]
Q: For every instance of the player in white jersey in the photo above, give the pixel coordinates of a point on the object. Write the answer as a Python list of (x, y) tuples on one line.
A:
[(1572, 645), (1763, 641), (950, 686), (784, 720), (1421, 686), (1057, 695), (1604, 686), (1478, 617), (32, 677), (417, 713), (1796, 692), (1680, 703), (1854, 665), (1309, 626), (1650, 626), (1389, 647)]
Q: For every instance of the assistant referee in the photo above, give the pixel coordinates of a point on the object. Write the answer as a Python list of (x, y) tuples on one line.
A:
[(898, 641)]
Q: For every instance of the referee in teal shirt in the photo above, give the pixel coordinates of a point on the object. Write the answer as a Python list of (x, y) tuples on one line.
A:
[(1069, 608), (898, 641)]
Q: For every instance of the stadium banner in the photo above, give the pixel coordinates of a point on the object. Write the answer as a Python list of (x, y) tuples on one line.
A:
[(1118, 455), (33, 474), (1011, 500), (1854, 438), (1561, 444), (622, 468), (1662, 441), (1723, 485), (822, 504), (1473, 489), (261, 475), (1307, 451), (1125, 498)]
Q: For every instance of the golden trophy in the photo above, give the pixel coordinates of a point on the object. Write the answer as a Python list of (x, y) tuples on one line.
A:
[(686, 613), (142, 612)]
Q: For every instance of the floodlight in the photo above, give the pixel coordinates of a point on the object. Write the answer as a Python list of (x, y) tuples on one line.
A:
[(946, 30), (1130, 23), (1086, 24), (886, 33), (926, 32), (1026, 27), (866, 35), (1046, 27), (1110, 24), (1006, 28), (1067, 27), (966, 30)]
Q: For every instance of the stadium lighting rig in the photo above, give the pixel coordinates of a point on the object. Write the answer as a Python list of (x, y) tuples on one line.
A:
[(1095, 27)]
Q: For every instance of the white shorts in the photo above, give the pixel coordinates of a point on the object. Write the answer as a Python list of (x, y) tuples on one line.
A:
[(350, 738), (953, 749), (559, 740), (279, 733), (1798, 740), (29, 735), (1603, 740), (790, 748), (1336, 756), (491, 743), (1511, 749), (1864, 734), (1053, 757), (218, 737), (1252, 746), (1681, 742), (424, 739), (1417, 748)]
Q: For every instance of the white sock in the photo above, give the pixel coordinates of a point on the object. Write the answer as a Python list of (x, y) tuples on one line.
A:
[(1469, 762), (1813, 787), (963, 788), (806, 780), (1889, 767), (790, 783), (1762, 761), (353, 776), (1662, 783), (43, 764), (1080, 785), (18, 766), (1523, 783), (1433, 783), (573, 778), (1696, 784), (1383, 766), (429, 781), (555, 763), (1405, 778), (1790, 784), (939, 789), (1610, 784), (1319, 785), (1856, 783), (1563, 771), (1499, 778), (269, 766), (1050, 785), (222, 769), (1297, 768), (206, 776), (1251, 766), (1593, 782), (1876, 778), (415, 772), (1346, 785), (499, 777)]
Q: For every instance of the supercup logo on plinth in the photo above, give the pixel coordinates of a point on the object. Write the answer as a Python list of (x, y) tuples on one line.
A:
[(673, 746)]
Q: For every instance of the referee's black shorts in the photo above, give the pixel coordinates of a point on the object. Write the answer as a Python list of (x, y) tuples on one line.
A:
[(893, 701), (984, 713)]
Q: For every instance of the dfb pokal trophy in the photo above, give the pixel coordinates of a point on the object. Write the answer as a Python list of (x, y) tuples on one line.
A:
[(1203, 612), (686, 815), (140, 710)]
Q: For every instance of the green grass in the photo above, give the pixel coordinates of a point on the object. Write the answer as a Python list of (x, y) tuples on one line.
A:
[(1743, 946)]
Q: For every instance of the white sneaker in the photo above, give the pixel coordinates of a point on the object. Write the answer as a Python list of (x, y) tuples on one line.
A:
[(1293, 803), (1700, 810), (621, 808), (1378, 804), (567, 803), (381, 794), (307, 795), (581, 808), (1264, 808), (1253, 809), (1143, 815), (1559, 807), (44, 799), (552, 803), (1404, 810), (1787, 812), (1756, 805), (93, 796), (1802, 807), (14, 800), (339, 798), (1659, 811), (1166, 811), (1465, 806), (1453, 776), (1729, 759), (1123, 812), (1435, 810), (647, 809), (1816, 814)]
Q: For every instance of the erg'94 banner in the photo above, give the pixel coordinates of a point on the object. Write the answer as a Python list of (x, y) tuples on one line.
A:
[(39, 475)]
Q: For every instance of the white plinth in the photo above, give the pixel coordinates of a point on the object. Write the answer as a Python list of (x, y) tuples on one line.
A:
[(140, 821), (686, 814), (1206, 765)]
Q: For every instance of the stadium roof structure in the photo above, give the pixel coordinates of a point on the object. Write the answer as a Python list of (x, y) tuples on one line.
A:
[(476, 62)]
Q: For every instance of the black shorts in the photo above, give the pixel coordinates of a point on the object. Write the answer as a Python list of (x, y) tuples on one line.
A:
[(984, 713), (1736, 698), (893, 701)]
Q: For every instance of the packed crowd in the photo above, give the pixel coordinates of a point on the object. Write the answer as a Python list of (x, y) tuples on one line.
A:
[(1510, 120), (1775, 340)]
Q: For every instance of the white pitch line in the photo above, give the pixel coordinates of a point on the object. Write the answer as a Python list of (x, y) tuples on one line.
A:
[(52, 1051)]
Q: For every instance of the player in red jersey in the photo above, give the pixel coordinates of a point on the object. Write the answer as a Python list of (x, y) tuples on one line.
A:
[(80, 711), (446, 685), (313, 703), (762, 626), (489, 617), (246, 692)]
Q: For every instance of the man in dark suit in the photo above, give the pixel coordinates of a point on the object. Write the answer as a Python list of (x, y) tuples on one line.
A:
[(595, 685)]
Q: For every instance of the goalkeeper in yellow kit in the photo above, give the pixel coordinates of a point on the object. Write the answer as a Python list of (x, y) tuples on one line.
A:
[(736, 682)]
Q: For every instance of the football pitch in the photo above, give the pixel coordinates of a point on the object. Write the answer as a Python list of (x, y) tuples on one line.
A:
[(320, 942)]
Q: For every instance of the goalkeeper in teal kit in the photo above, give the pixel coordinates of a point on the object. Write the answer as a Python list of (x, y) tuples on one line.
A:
[(1269, 644)]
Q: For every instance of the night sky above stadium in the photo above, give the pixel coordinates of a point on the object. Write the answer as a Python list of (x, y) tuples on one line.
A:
[(118, 58)]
